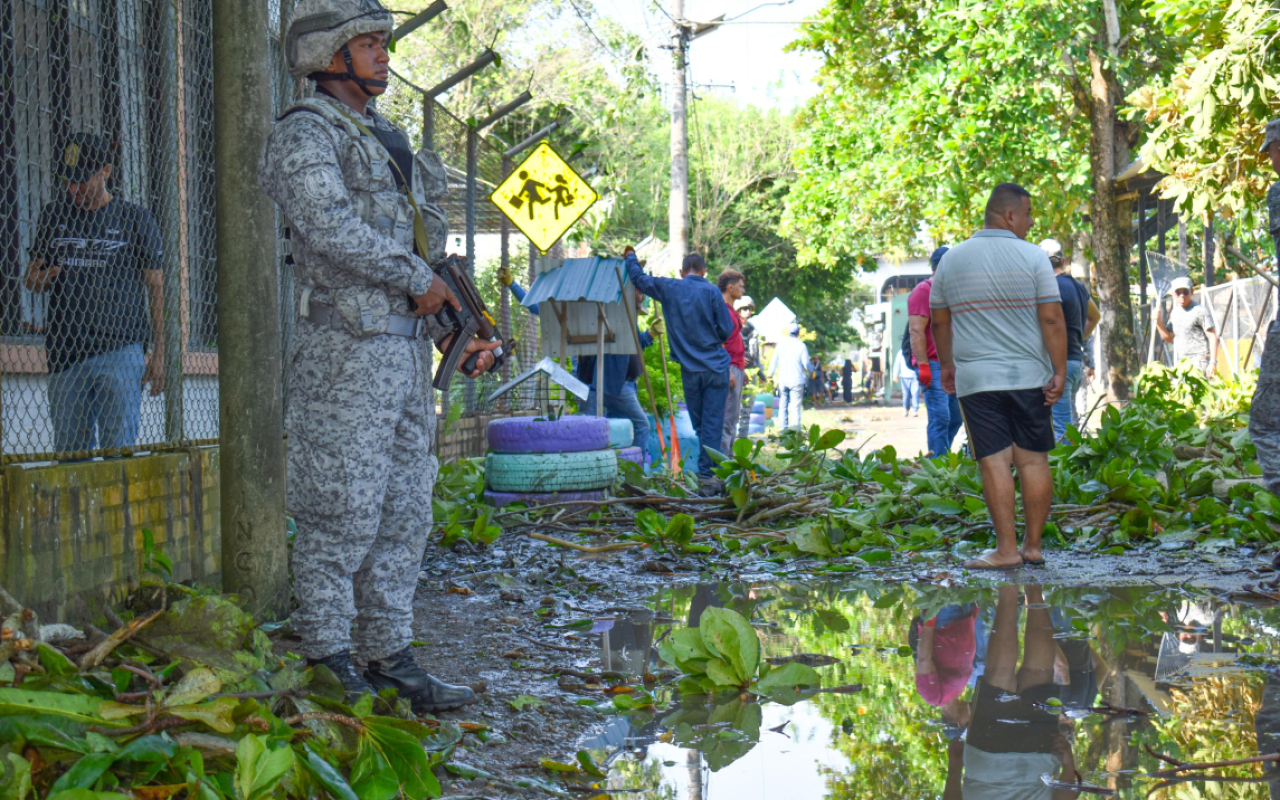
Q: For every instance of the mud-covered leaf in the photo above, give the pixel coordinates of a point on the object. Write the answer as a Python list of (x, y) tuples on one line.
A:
[(111, 710), (194, 687), (216, 713), (206, 631)]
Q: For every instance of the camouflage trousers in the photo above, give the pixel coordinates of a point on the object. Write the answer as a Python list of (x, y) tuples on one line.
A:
[(1264, 414), (361, 420)]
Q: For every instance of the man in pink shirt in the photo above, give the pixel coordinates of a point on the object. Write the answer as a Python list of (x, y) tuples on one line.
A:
[(945, 649), (733, 285), (943, 408)]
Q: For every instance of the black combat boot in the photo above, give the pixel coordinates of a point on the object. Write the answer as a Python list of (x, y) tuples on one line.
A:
[(353, 680), (427, 694)]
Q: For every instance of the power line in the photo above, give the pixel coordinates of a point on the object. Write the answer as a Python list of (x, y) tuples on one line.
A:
[(587, 25)]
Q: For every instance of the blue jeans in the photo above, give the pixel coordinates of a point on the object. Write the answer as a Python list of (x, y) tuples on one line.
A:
[(911, 392), (789, 406), (706, 392), (100, 395), (1064, 411), (944, 414), (624, 405)]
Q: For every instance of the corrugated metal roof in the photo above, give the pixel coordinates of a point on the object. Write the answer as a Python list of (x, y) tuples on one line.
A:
[(591, 279)]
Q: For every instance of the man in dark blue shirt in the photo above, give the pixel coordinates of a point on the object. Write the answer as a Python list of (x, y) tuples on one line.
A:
[(1081, 316), (98, 258), (698, 322)]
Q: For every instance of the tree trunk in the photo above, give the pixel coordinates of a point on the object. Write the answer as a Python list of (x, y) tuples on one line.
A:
[(1112, 235)]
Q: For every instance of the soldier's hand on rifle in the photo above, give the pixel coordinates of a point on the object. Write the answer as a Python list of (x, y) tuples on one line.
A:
[(504, 276), (484, 361), (434, 299)]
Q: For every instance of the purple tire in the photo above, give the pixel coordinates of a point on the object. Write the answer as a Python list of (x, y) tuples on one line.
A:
[(756, 419), (501, 499), (572, 434), (633, 454)]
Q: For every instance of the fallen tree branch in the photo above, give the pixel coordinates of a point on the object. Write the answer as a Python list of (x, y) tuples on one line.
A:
[(582, 548)]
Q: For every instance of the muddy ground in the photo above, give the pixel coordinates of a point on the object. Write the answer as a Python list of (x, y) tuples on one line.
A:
[(478, 622)]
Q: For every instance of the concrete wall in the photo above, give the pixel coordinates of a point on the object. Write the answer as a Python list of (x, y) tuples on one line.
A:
[(71, 534)]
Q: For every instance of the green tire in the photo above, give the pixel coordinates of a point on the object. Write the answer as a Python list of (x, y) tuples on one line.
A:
[(550, 472)]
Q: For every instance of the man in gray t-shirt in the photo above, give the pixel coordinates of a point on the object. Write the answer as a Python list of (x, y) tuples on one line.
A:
[(996, 317), (1190, 329)]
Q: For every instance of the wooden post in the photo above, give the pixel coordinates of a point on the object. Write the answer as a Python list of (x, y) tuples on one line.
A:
[(599, 359)]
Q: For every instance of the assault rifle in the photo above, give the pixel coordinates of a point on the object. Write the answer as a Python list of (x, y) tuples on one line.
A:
[(472, 321)]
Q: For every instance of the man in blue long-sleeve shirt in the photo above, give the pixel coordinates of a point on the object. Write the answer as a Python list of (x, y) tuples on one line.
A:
[(698, 323), (621, 398)]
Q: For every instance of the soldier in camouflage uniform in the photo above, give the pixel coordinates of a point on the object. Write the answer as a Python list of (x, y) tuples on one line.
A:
[(1264, 415), (361, 414)]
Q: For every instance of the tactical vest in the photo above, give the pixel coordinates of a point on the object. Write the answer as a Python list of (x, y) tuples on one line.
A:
[(368, 172)]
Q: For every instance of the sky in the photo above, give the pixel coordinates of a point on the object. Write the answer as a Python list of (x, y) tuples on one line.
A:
[(747, 56)]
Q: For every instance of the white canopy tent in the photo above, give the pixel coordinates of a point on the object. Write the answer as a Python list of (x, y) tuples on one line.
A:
[(772, 323)]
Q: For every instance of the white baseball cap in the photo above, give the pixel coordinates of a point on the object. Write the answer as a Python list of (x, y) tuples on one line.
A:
[(1180, 283), (743, 302), (1052, 248)]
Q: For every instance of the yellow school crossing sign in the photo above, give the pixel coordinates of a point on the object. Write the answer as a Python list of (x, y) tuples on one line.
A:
[(544, 196)]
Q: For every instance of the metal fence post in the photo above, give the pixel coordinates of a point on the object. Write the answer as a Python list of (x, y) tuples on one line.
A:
[(473, 169), (504, 304), (252, 470), (165, 177)]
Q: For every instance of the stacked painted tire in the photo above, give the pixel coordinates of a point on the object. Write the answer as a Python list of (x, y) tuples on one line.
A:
[(621, 434), (534, 460), (758, 417)]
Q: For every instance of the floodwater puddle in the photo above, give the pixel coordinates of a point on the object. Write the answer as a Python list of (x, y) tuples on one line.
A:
[(1019, 691)]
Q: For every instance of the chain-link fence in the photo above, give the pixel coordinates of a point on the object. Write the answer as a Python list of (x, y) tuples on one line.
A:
[(1240, 311), (107, 318), (108, 324)]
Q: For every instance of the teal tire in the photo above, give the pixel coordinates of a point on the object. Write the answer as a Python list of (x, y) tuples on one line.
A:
[(550, 472), (621, 432)]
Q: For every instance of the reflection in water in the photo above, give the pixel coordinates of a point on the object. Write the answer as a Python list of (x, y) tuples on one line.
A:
[(975, 694)]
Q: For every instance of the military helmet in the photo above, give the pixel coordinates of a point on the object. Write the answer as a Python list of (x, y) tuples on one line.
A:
[(320, 28)]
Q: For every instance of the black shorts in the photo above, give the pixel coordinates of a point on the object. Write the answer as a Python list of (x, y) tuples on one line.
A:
[(1012, 723), (875, 363), (996, 420)]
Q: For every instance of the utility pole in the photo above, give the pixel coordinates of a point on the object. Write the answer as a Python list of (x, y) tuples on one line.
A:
[(678, 213), (250, 401)]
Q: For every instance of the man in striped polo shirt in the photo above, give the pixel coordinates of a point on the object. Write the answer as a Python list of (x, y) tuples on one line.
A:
[(1002, 344)]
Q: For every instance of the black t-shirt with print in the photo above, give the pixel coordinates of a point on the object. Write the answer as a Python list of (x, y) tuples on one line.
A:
[(98, 303)]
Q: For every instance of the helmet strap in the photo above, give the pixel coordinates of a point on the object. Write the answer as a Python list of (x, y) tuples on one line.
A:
[(349, 75)]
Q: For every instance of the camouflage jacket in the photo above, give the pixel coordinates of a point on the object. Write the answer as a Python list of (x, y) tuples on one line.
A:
[(351, 227)]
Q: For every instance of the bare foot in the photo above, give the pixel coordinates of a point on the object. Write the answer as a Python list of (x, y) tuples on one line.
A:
[(1032, 556), (993, 559)]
